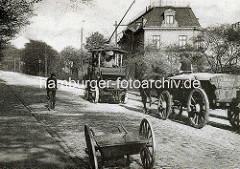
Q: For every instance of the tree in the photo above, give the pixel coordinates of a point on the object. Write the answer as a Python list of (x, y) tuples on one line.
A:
[(222, 47), (233, 35), (36, 55), (233, 39), (11, 58), (192, 53), (150, 64), (95, 40), (73, 60), (14, 15), (156, 64), (216, 49)]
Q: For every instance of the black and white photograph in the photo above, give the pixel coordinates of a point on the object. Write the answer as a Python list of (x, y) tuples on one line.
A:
[(119, 84)]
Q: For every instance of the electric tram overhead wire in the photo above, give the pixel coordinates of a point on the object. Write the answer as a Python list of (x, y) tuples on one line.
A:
[(121, 21)]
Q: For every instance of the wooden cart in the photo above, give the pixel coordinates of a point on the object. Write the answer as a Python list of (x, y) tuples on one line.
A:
[(217, 91), (118, 145)]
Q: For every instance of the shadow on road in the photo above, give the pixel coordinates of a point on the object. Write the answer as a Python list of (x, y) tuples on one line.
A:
[(137, 108), (30, 148), (182, 119), (24, 142)]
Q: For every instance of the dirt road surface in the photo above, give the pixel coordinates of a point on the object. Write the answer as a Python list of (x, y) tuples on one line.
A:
[(177, 144)]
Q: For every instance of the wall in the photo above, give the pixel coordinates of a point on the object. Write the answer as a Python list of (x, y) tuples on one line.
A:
[(168, 37)]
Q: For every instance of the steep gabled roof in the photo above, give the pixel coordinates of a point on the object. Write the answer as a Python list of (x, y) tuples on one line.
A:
[(154, 16)]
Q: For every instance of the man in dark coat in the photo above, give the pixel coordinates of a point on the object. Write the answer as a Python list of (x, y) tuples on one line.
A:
[(51, 86)]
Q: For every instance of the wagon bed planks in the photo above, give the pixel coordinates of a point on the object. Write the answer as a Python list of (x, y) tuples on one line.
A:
[(118, 139)]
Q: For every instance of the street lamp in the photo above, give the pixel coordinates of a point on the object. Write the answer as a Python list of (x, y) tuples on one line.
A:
[(82, 45)]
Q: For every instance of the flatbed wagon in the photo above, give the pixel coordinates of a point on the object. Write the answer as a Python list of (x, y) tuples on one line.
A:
[(124, 143), (216, 91)]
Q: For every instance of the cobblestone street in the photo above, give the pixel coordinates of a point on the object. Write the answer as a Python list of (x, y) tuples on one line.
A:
[(33, 136)]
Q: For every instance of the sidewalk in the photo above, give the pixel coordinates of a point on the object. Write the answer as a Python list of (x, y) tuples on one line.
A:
[(24, 142)]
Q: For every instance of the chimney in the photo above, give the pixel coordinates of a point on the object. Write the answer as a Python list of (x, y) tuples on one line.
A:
[(148, 8), (160, 3)]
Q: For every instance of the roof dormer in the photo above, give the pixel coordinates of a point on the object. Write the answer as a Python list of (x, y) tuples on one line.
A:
[(169, 18)]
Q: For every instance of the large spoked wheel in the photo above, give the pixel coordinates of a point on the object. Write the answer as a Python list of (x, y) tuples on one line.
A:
[(233, 114), (90, 147), (147, 154), (164, 105), (198, 108)]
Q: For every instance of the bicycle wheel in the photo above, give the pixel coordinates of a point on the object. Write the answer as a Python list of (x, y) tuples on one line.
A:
[(51, 101)]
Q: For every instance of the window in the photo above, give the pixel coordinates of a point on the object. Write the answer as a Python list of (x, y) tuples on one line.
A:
[(198, 43), (156, 41), (169, 19), (182, 40)]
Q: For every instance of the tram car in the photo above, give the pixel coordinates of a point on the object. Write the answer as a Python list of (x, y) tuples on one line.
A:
[(105, 75)]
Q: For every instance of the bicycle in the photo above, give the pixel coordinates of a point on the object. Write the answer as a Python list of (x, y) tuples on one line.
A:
[(51, 101)]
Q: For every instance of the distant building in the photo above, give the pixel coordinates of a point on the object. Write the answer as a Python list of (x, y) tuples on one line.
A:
[(161, 26)]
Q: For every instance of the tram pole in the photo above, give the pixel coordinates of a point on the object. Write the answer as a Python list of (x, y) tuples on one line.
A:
[(46, 65), (116, 33), (82, 47), (121, 20)]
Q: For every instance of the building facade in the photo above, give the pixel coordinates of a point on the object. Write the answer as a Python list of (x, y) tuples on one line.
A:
[(161, 27)]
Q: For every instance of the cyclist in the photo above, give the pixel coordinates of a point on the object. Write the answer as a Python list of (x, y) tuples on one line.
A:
[(51, 86)]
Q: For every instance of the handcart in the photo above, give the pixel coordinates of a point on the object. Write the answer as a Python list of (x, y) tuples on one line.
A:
[(124, 143)]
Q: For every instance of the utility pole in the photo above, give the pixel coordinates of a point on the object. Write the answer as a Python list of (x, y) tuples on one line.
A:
[(14, 64), (81, 40), (46, 64), (116, 33), (82, 47), (19, 64)]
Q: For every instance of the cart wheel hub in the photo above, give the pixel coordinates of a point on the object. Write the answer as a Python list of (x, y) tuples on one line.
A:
[(164, 105), (198, 108)]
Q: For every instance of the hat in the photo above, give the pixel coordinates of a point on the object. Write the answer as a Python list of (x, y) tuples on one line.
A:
[(53, 74)]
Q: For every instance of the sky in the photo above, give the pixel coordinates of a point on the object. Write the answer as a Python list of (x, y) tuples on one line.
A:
[(59, 22)]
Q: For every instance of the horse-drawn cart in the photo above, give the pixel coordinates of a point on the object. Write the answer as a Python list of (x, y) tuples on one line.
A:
[(118, 145), (216, 91)]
